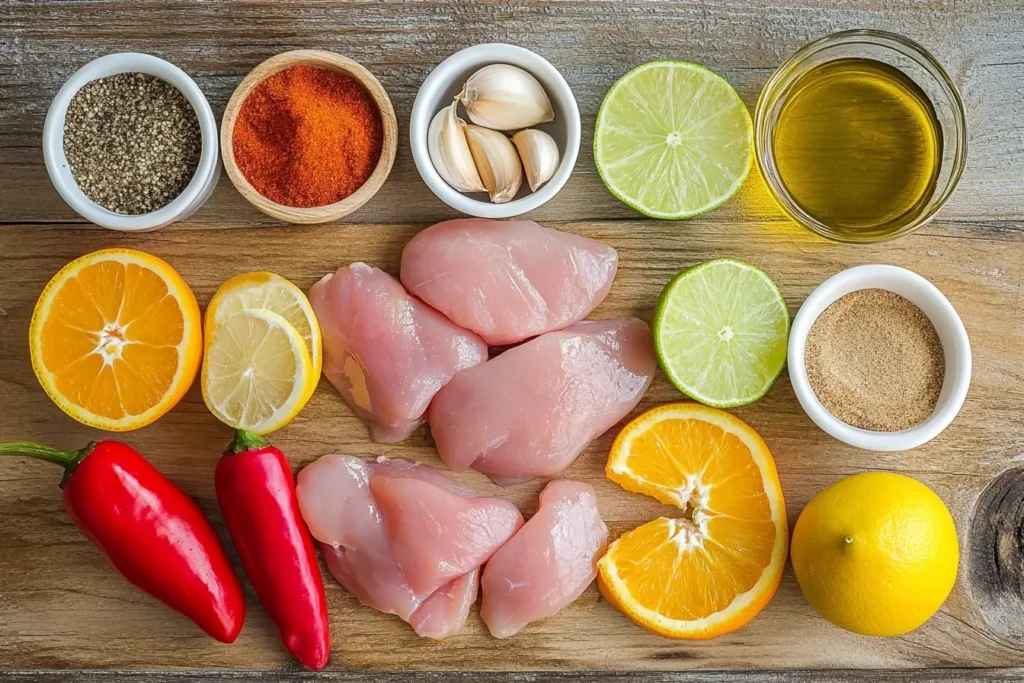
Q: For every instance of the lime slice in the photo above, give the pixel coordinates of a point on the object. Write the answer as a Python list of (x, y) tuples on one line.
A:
[(673, 140), (720, 332)]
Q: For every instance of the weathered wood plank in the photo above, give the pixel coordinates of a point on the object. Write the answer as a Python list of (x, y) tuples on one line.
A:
[(61, 606), (65, 616), (42, 43), (798, 676)]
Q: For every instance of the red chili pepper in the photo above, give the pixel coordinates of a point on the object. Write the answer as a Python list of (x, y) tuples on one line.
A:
[(153, 534), (256, 490)]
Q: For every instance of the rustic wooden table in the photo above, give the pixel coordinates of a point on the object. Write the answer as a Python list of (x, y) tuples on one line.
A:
[(65, 615)]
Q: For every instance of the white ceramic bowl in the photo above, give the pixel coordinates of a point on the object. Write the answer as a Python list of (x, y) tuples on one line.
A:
[(955, 346), (195, 193), (446, 81)]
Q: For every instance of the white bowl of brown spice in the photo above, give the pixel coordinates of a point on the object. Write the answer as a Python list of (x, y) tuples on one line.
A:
[(879, 358)]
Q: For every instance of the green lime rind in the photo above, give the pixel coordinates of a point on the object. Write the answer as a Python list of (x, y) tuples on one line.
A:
[(721, 331), (724, 136)]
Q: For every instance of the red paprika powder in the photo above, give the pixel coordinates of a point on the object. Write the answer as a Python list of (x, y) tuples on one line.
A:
[(308, 136)]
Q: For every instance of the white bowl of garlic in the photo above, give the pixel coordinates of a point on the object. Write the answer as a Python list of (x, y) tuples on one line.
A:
[(495, 131)]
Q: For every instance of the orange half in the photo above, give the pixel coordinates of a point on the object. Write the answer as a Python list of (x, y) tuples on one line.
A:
[(714, 567), (116, 339)]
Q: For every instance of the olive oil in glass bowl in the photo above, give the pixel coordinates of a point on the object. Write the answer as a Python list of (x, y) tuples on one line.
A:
[(860, 136)]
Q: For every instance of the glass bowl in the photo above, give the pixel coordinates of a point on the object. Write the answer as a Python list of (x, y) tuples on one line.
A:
[(896, 51)]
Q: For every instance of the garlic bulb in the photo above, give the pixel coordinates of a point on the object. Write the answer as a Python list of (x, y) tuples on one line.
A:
[(449, 151), (539, 153), (504, 97), (497, 162)]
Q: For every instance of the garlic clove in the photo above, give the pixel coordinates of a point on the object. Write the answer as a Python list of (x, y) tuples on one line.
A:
[(449, 151), (497, 161), (504, 97), (539, 153)]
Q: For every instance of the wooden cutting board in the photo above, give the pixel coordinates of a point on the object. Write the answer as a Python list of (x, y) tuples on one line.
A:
[(64, 615)]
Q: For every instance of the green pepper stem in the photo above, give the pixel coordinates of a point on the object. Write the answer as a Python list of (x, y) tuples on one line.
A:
[(67, 459), (245, 441)]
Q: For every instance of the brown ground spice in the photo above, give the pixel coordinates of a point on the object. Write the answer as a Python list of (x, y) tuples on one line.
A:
[(875, 361)]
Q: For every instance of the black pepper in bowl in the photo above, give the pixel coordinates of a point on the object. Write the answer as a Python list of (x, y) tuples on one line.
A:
[(133, 142)]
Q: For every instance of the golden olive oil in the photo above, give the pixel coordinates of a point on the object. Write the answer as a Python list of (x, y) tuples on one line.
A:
[(858, 146)]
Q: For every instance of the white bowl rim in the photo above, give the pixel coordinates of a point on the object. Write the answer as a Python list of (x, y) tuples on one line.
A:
[(53, 141), (870, 277), (440, 79)]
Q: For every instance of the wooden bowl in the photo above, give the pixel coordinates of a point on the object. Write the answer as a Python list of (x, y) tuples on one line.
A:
[(326, 60)]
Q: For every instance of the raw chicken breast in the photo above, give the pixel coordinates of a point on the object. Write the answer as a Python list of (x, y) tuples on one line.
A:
[(446, 610), (364, 546), (436, 536), (439, 615), (334, 498), (548, 563), (534, 408), (507, 280), (386, 352)]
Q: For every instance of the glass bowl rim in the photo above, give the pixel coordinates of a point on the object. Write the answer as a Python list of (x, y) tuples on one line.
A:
[(769, 100)]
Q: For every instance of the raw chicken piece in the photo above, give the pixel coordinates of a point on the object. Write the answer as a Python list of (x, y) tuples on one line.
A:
[(337, 499), (507, 280), (439, 615), (435, 535), (548, 563), (334, 497), (446, 610), (534, 408), (386, 352)]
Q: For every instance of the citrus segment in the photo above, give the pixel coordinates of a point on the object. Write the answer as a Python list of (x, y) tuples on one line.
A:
[(257, 372), (721, 329), (268, 291), (673, 140), (115, 339), (713, 568)]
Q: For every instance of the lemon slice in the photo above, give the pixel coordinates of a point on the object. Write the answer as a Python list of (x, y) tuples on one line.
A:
[(271, 292), (257, 373), (673, 140)]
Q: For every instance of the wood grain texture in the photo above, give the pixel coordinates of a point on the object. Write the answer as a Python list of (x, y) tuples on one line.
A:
[(995, 570), (61, 606), (64, 615), (43, 41), (788, 676)]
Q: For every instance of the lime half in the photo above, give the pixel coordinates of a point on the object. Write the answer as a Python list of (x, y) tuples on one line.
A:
[(720, 332), (673, 140)]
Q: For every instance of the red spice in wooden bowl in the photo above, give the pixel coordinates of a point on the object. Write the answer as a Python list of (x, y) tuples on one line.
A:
[(308, 136)]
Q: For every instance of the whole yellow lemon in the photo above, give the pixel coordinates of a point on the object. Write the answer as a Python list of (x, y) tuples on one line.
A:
[(876, 553)]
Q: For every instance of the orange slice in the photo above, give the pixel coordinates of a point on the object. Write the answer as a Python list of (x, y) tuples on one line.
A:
[(116, 339), (712, 569)]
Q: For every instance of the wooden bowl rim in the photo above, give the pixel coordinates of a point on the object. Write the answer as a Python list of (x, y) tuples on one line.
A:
[(323, 59)]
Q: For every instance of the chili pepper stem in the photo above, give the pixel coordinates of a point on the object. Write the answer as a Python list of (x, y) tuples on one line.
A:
[(245, 441), (67, 459)]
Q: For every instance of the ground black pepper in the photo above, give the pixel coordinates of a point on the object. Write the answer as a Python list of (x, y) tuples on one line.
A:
[(133, 142)]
